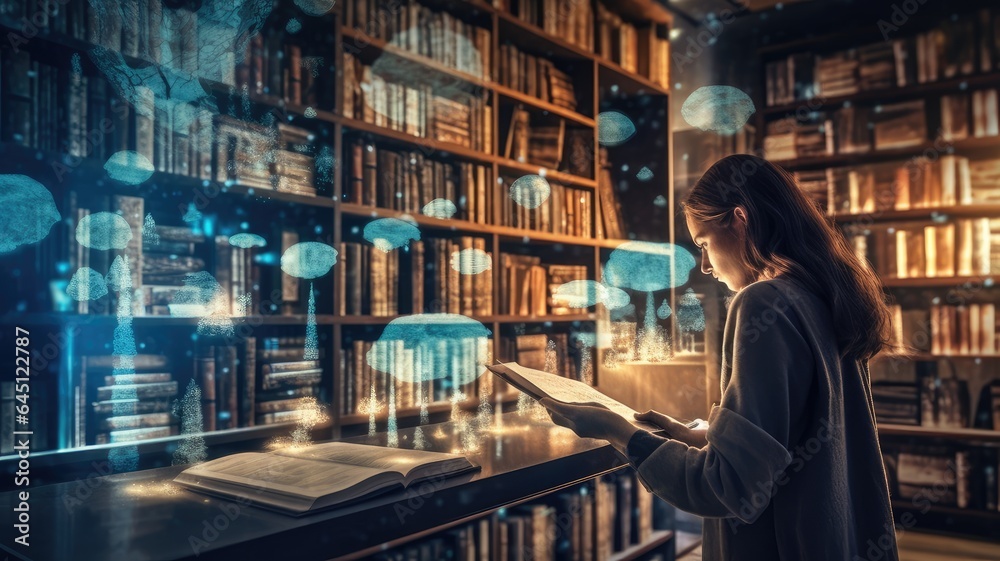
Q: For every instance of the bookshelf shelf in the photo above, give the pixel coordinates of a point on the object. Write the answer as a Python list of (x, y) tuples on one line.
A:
[(929, 356), (921, 213), (558, 176), (419, 62), (976, 435), (872, 156), (949, 86), (428, 145), (945, 509), (406, 412), (535, 38), (168, 321), (526, 99), (612, 73), (939, 282), (657, 539)]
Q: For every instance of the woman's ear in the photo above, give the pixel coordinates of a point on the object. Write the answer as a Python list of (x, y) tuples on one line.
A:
[(741, 214)]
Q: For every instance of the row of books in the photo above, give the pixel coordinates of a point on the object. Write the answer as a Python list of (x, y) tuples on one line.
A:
[(611, 222), (960, 46), (639, 50), (969, 115), (947, 473), (265, 158), (419, 29), (848, 130), (154, 31), (359, 379), (416, 109), (592, 522), (527, 286), (38, 401), (407, 181), (963, 247), (566, 211), (536, 76), (968, 329), (434, 275), (572, 22), (552, 144), (272, 66), (113, 408), (949, 180)]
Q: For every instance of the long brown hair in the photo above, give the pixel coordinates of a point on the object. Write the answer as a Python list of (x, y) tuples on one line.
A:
[(787, 234)]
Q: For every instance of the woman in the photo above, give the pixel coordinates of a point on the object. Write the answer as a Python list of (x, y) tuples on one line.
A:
[(789, 466)]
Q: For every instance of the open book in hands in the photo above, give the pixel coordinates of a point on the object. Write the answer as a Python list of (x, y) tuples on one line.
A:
[(539, 384), (299, 481)]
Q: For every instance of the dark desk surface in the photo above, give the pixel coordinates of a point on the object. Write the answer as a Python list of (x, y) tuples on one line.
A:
[(141, 515)]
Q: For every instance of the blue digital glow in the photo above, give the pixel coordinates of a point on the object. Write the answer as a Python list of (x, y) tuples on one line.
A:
[(87, 284), (315, 7), (723, 109), (129, 167), (29, 212), (312, 340), (664, 311), (103, 231), (440, 208), (530, 191), (644, 174), (423, 347), (192, 448), (308, 260), (690, 314), (586, 293), (471, 261), (247, 241), (614, 128), (388, 234)]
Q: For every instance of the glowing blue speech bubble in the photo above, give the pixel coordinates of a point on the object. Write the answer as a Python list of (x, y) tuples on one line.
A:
[(293, 26), (198, 297), (28, 212), (87, 284), (690, 314), (424, 347), (614, 128), (530, 191), (471, 261), (664, 311), (129, 166), (103, 231), (315, 7), (308, 260), (246, 241), (644, 174), (388, 234), (660, 201), (723, 109), (646, 266), (192, 214), (440, 208), (586, 293)]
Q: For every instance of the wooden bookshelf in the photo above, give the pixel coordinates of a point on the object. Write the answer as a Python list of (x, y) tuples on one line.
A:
[(333, 128), (910, 293)]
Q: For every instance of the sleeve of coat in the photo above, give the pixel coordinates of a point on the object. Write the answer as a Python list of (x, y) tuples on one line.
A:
[(750, 431)]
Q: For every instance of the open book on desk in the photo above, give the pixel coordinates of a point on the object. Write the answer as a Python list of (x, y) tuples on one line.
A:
[(539, 384), (300, 481)]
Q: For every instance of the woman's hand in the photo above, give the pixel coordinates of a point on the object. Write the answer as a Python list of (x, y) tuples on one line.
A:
[(675, 429), (591, 420)]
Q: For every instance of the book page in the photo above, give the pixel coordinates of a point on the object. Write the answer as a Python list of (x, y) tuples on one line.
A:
[(270, 473), (541, 384), (375, 457)]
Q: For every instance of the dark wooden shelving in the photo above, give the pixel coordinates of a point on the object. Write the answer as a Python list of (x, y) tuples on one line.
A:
[(632, 83), (939, 282), (550, 174), (920, 213), (947, 509), (167, 321), (532, 101), (972, 435), (929, 356), (872, 156), (427, 145), (637, 551)]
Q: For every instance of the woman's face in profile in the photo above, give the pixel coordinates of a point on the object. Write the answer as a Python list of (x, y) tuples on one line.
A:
[(720, 252)]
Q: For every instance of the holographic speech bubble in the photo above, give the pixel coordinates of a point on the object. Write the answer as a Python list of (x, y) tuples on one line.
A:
[(247, 241), (308, 260), (586, 293), (388, 234), (614, 128), (530, 191), (103, 231), (423, 347), (440, 208), (129, 166), (723, 109), (471, 261), (28, 212), (87, 284)]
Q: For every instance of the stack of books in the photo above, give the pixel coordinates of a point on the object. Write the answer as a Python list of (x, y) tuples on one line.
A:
[(285, 379), (570, 21), (527, 285), (566, 211), (968, 329), (536, 76), (559, 275), (896, 403), (128, 407), (963, 247), (272, 66)]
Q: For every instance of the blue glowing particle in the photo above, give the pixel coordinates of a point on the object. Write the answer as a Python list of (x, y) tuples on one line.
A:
[(311, 351), (690, 314), (471, 261), (28, 212), (103, 231), (75, 61), (246, 241), (530, 191), (87, 284), (325, 164), (388, 234), (614, 128), (723, 109), (129, 166), (293, 26), (644, 174), (192, 449), (315, 7), (308, 260), (310, 112), (660, 201), (422, 347), (149, 233), (119, 278), (440, 208), (664, 311)]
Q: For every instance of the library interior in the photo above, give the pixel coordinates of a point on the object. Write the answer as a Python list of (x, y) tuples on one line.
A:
[(500, 280)]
